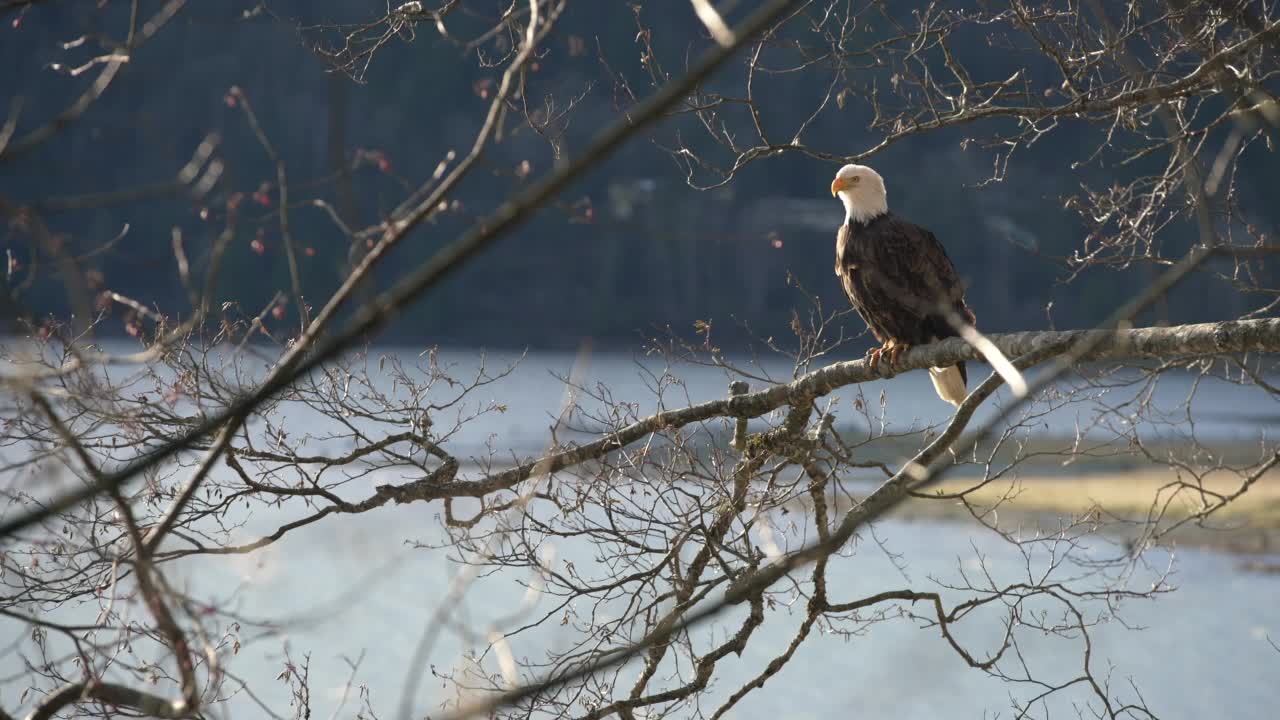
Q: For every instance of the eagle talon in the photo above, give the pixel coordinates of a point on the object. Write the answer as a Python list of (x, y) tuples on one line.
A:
[(873, 357), (894, 353)]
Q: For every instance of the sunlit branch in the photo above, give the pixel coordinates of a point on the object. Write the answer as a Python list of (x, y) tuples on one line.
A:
[(1183, 341)]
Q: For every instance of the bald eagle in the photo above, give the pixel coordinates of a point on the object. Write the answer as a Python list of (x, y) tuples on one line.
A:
[(898, 277)]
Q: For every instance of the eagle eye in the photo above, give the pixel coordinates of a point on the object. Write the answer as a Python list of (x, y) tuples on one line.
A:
[(855, 179)]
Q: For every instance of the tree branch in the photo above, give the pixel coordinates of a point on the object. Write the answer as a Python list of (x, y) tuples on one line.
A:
[(1200, 340), (383, 308), (95, 91), (111, 694)]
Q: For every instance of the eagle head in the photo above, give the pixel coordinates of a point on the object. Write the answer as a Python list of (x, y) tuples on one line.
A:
[(861, 189)]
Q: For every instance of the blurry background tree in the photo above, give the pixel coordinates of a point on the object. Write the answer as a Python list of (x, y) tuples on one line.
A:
[(212, 209)]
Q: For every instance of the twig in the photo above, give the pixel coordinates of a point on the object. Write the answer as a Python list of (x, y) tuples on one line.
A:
[(383, 308), (95, 91)]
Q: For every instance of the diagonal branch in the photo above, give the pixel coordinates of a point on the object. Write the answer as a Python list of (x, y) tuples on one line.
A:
[(383, 308)]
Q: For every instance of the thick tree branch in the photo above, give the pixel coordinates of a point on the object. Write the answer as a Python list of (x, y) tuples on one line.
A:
[(110, 694), (1155, 342), (1181, 341)]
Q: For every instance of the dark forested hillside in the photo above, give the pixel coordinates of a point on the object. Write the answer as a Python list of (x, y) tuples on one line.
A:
[(633, 248), (258, 459)]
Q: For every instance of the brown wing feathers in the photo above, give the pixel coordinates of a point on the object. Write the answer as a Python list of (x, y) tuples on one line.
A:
[(896, 274)]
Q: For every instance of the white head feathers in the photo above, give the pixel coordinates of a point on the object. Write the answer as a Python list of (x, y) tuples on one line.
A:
[(861, 189)]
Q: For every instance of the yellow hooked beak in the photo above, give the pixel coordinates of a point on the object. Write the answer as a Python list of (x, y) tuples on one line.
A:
[(842, 183)]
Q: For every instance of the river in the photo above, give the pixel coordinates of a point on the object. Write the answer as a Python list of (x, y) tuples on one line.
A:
[(1201, 651)]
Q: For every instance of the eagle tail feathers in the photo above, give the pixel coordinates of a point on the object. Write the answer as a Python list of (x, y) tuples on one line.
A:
[(950, 383)]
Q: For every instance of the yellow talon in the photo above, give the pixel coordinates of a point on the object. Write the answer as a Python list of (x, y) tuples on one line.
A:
[(895, 352)]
